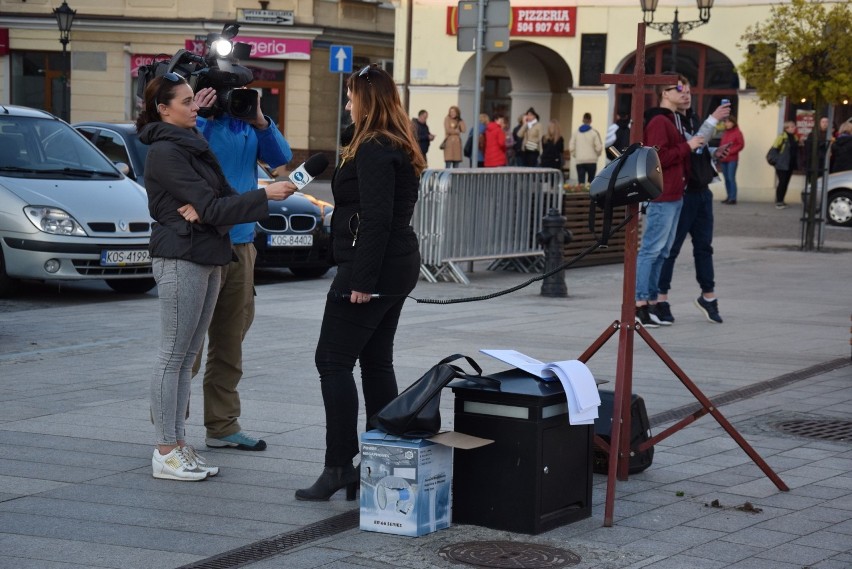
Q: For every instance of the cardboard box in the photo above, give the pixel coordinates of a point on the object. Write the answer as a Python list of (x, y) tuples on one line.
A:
[(406, 484)]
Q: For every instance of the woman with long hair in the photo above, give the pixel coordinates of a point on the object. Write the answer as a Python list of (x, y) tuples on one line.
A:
[(552, 146), (193, 207), (453, 127), (728, 156), (375, 189)]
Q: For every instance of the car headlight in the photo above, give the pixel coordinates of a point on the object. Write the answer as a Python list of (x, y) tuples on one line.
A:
[(54, 220)]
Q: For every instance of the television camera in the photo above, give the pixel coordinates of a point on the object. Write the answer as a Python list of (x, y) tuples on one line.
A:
[(218, 68)]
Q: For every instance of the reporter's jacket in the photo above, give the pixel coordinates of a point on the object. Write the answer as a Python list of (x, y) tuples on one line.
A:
[(182, 170), (374, 198)]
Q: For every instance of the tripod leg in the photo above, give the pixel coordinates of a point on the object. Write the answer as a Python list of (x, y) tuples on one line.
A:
[(708, 405)]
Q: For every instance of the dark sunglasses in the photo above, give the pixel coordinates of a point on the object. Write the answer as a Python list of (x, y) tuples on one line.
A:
[(173, 77), (365, 72), (679, 88)]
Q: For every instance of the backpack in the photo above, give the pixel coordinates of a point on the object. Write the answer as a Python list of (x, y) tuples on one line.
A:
[(468, 145)]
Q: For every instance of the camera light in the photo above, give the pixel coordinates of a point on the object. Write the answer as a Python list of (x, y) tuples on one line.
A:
[(222, 47)]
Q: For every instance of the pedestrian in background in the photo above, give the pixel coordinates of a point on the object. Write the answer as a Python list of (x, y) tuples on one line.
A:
[(531, 139), (787, 144), (585, 148), (421, 133), (664, 131), (728, 156), (841, 148), (453, 127), (375, 189), (696, 218), (495, 143), (193, 207), (518, 141), (552, 147)]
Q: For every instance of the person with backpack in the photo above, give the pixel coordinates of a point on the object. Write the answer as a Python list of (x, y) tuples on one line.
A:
[(787, 145)]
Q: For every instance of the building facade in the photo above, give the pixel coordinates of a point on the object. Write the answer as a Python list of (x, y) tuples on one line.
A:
[(555, 53), (109, 41)]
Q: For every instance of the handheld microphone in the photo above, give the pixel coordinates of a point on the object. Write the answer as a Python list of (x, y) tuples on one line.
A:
[(310, 169)]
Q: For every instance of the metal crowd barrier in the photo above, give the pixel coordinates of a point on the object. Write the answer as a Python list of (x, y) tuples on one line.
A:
[(474, 214)]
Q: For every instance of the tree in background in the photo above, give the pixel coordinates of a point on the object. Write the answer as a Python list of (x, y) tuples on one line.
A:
[(802, 51)]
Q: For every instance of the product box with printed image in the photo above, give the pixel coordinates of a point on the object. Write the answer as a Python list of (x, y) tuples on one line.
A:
[(406, 484)]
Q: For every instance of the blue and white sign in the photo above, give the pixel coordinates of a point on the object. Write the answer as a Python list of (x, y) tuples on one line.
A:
[(340, 59)]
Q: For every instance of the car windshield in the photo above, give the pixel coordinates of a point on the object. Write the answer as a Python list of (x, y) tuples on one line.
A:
[(46, 148)]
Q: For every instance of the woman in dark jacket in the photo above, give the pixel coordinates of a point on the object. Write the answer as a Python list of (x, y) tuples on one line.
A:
[(552, 147), (375, 188), (841, 149), (787, 144), (193, 207)]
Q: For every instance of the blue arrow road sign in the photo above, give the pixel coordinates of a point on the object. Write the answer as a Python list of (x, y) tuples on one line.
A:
[(340, 59)]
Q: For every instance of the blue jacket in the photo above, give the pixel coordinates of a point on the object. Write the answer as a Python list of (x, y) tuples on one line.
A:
[(238, 146)]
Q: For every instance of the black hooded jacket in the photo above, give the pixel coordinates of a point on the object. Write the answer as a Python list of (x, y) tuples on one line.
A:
[(181, 169)]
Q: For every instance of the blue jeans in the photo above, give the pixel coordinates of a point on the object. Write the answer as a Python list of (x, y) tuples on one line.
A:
[(696, 219), (188, 293), (729, 172), (657, 238)]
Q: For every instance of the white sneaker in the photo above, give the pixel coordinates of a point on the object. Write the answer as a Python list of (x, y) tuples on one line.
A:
[(175, 466), (193, 457)]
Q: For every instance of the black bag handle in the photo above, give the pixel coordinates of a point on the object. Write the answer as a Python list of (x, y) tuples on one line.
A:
[(478, 378)]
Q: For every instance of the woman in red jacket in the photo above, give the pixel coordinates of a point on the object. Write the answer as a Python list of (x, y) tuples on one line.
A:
[(495, 143), (728, 155)]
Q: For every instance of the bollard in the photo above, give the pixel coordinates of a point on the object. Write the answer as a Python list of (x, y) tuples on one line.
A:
[(552, 238)]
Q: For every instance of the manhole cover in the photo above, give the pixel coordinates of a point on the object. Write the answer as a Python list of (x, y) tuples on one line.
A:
[(508, 554), (826, 430)]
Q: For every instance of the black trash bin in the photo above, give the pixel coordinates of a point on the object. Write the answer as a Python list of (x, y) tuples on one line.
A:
[(538, 473)]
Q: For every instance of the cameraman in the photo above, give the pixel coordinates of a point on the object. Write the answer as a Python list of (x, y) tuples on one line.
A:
[(238, 144)]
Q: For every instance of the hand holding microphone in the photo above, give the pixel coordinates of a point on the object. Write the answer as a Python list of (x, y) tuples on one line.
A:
[(280, 190)]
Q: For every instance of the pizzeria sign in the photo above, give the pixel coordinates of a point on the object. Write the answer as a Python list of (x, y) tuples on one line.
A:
[(560, 21)]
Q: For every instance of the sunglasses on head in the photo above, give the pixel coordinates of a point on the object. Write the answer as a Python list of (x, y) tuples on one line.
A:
[(173, 77), (679, 88), (365, 72)]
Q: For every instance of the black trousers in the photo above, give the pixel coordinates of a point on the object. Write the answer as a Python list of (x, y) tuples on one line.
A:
[(783, 181), (363, 333)]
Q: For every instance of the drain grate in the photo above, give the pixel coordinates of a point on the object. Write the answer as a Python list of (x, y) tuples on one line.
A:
[(508, 554), (824, 429), (265, 548)]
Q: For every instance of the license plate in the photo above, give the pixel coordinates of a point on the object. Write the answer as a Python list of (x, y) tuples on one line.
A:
[(119, 258), (290, 240)]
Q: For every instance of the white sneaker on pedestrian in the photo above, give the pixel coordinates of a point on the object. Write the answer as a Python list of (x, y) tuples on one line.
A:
[(175, 466), (192, 455)]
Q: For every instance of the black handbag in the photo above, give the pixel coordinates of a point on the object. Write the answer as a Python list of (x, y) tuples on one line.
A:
[(772, 156), (416, 411)]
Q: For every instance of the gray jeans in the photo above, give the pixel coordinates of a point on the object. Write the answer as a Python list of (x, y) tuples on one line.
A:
[(188, 293)]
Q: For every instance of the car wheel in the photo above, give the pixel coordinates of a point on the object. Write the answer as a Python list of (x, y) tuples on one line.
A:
[(309, 272), (840, 208), (7, 284), (131, 286)]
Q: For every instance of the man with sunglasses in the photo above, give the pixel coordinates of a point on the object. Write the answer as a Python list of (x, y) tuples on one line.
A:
[(663, 130), (238, 144)]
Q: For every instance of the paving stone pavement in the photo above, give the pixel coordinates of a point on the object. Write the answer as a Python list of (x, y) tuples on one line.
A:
[(76, 489)]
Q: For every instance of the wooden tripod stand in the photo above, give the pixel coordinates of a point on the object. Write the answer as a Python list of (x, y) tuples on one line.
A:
[(618, 448)]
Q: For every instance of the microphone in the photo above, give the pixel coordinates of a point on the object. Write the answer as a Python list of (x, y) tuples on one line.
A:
[(310, 169)]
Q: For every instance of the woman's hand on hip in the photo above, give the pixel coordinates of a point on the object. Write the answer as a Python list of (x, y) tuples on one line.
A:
[(188, 213)]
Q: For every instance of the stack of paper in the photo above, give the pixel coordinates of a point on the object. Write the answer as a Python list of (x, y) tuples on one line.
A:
[(581, 391)]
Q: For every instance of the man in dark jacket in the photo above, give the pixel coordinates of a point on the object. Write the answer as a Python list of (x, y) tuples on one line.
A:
[(421, 131), (696, 219), (663, 130)]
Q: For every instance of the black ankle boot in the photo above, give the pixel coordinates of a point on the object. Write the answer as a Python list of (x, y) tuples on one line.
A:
[(332, 479)]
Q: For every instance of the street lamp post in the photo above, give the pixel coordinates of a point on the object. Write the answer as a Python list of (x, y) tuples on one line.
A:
[(676, 28), (64, 19)]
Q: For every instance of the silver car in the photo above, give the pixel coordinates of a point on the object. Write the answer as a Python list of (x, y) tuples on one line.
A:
[(66, 211)]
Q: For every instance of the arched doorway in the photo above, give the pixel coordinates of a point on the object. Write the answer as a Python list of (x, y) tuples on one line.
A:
[(528, 75), (713, 76)]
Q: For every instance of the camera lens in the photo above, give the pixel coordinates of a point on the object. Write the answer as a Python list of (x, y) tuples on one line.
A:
[(241, 103)]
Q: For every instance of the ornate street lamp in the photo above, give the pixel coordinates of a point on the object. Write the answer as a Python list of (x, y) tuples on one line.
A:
[(64, 19), (676, 28)]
